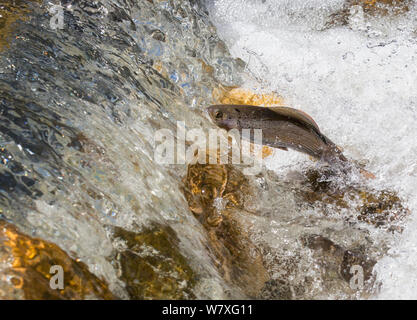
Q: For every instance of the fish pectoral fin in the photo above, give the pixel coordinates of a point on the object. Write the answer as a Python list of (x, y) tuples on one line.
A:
[(283, 148)]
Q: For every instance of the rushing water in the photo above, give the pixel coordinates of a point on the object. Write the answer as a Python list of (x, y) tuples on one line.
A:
[(357, 79), (80, 107), (79, 110)]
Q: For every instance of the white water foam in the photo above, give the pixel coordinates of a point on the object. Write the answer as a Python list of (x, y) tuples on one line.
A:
[(358, 81)]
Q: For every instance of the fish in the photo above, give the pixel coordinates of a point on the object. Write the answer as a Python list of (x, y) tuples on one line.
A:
[(282, 127)]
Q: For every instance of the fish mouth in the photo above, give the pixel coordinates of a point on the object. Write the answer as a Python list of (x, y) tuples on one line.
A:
[(214, 113), (227, 124), (220, 118)]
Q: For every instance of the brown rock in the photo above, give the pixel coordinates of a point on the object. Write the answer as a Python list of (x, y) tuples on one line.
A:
[(26, 274), (236, 257)]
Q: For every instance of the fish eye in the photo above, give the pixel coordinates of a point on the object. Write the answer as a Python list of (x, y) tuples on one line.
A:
[(219, 115)]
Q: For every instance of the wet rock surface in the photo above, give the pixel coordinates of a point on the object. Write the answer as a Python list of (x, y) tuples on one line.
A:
[(337, 261), (151, 265), (25, 265), (361, 9), (378, 207), (10, 13), (215, 194)]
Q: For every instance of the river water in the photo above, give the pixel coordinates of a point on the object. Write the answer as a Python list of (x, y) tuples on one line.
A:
[(81, 105)]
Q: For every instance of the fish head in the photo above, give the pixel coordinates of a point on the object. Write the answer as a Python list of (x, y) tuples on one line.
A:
[(224, 116)]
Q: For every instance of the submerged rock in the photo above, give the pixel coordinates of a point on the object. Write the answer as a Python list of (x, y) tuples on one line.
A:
[(25, 265), (337, 261), (10, 13), (361, 9), (382, 208), (151, 265), (216, 194)]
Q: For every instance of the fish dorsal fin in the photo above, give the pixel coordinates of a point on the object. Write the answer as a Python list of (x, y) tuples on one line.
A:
[(298, 115)]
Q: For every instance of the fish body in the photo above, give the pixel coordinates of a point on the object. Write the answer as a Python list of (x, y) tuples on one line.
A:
[(282, 127)]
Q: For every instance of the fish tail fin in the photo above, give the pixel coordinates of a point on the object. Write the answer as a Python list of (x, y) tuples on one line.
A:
[(333, 152)]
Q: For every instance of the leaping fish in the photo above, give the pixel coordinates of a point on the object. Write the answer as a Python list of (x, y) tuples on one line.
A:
[(282, 127)]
